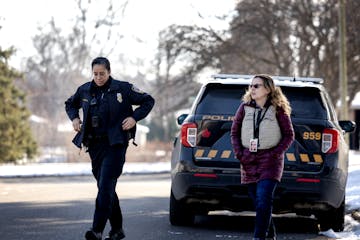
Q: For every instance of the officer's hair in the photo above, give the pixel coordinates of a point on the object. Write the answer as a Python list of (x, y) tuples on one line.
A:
[(101, 61)]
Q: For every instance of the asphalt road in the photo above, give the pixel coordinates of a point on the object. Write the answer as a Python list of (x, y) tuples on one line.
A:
[(61, 208)]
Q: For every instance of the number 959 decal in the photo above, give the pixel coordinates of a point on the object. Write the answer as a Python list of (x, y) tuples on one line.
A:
[(312, 136)]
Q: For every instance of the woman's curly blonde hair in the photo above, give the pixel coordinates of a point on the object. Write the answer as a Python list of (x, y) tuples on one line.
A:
[(276, 96)]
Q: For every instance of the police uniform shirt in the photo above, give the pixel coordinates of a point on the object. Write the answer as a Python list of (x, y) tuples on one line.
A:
[(99, 110)]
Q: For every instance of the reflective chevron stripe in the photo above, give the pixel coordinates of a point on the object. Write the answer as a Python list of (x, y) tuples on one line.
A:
[(208, 154)]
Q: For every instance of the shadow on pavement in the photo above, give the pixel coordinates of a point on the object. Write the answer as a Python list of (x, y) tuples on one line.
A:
[(144, 219)]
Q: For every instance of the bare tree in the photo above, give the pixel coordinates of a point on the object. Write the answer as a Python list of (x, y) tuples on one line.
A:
[(279, 37), (174, 87), (301, 38)]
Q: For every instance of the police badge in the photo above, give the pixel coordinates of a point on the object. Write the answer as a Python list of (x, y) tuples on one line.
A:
[(119, 97)]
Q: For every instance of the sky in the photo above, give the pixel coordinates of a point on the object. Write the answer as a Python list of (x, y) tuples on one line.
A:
[(143, 20)]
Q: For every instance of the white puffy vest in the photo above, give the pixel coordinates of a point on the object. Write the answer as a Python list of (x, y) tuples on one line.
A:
[(269, 130)]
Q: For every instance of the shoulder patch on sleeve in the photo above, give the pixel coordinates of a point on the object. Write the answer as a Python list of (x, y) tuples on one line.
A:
[(135, 89)]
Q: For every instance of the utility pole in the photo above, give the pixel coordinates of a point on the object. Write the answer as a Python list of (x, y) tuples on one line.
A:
[(343, 64), (342, 61)]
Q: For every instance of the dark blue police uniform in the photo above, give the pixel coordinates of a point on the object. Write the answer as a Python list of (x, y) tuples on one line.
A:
[(120, 96), (104, 109)]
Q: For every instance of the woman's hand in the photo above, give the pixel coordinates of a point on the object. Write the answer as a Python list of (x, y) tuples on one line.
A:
[(76, 124), (128, 123)]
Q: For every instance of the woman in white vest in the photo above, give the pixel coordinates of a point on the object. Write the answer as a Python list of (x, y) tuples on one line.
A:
[(260, 135)]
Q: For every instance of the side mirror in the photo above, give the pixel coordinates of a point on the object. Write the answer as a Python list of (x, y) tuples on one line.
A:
[(181, 118), (348, 126)]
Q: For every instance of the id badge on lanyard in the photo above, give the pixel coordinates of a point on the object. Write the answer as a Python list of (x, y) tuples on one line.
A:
[(253, 145), (254, 142)]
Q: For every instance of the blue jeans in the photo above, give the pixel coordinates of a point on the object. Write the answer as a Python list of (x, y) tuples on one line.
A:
[(107, 164), (262, 194)]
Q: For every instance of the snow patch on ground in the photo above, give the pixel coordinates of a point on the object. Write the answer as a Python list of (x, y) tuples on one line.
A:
[(74, 169)]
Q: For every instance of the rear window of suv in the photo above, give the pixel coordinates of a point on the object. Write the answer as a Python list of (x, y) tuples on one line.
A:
[(224, 99), (305, 102), (220, 99)]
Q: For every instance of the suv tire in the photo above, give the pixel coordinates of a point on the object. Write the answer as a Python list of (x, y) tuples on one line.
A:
[(180, 214), (333, 219)]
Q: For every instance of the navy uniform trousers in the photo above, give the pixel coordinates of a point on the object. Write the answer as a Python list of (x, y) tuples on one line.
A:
[(107, 164)]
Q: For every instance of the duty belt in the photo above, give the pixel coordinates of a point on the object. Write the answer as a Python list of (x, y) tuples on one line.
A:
[(97, 137)]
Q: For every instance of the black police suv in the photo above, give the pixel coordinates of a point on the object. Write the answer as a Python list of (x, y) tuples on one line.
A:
[(205, 175)]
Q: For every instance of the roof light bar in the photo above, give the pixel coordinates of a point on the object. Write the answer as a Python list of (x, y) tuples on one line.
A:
[(280, 78)]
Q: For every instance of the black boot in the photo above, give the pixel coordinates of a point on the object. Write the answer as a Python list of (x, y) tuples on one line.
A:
[(91, 235), (116, 235)]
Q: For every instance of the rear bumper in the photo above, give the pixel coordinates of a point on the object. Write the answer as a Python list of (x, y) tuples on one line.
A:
[(224, 192), (299, 195), (221, 193)]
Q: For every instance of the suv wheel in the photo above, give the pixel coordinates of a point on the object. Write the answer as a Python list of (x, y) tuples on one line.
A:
[(180, 214), (334, 219)]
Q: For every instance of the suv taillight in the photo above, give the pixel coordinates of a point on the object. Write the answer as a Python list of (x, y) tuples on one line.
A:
[(188, 134), (330, 140)]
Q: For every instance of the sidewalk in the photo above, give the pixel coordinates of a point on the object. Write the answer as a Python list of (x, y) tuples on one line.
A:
[(76, 169)]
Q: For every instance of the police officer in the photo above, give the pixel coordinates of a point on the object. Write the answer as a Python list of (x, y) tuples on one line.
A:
[(109, 122)]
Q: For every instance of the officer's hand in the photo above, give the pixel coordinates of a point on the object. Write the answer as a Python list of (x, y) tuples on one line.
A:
[(128, 123), (76, 124)]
